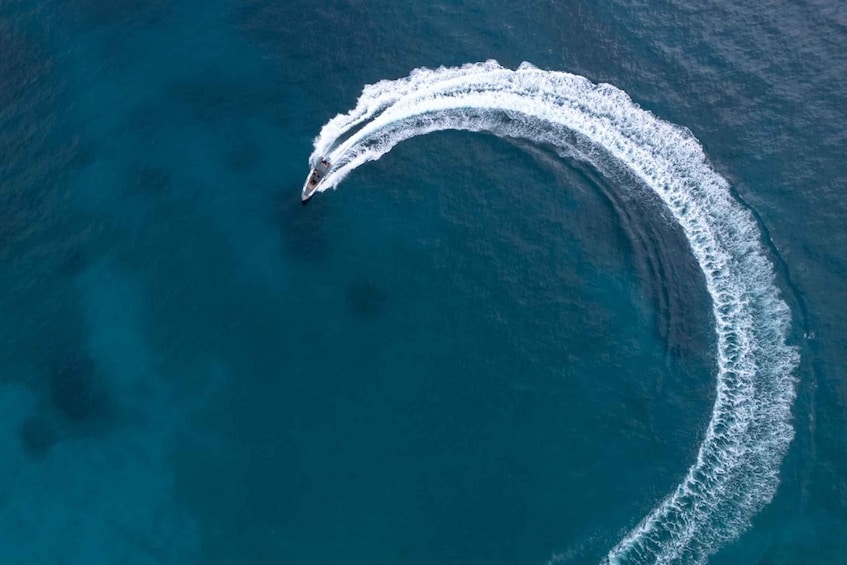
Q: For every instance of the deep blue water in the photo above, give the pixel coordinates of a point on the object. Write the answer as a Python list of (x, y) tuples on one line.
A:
[(472, 352)]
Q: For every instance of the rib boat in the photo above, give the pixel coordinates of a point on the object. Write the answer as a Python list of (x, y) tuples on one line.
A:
[(314, 180)]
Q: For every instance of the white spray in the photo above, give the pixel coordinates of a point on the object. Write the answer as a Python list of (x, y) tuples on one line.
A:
[(736, 471)]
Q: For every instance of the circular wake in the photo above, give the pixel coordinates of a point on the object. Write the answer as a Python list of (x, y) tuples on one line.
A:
[(737, 467)]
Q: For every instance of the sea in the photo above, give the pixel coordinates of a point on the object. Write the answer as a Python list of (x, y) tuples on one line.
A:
[(476, 349)]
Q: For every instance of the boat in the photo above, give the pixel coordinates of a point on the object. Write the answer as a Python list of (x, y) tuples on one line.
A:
[(313, 181)]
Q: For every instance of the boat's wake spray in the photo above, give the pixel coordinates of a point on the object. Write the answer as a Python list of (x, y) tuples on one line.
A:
[(736, 471)]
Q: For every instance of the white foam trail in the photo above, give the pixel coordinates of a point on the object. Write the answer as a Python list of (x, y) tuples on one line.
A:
[(737, 467)]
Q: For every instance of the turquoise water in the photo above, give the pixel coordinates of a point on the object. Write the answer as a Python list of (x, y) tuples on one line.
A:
[(473, 352)]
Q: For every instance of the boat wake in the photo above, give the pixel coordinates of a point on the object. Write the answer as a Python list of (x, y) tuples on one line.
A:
[(736, 471)]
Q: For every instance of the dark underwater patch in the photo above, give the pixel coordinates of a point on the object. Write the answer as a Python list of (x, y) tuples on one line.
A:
[(73, 262), (220, 97), (366, 300), (243, 157), (151, 181), (75, 391), (38, 435)]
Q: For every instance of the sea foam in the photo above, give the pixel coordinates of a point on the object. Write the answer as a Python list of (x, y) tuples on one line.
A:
[(736, 471)]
